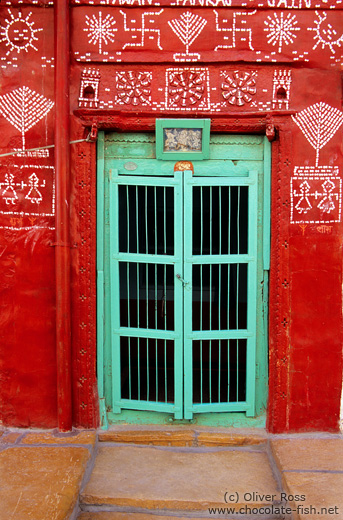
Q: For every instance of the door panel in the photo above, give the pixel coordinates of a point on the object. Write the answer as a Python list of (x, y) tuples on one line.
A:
[(146, 303), (220, 253)]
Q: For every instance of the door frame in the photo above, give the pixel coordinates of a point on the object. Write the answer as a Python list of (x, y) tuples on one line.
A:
[(100, 280)]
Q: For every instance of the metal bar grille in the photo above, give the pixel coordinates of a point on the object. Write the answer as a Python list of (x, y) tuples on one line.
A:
[(184, 255), (219, 371), (220, 254), (147, 369), (146, 349)]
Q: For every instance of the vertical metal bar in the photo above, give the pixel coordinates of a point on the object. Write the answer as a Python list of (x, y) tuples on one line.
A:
[(137, 289), (130, 374), (146, 221), (201, 305), (228, 370), (137, 232), (201, 250), (128, 292), (210, 370), (128, 217), (237, 369), (165, 251), (210, 297), (237, 295), (220, 252), (201, 221), (220, 220), (229, 223), (164, 221), (219, 295), (238, 218), (219, 367), (165, 372), (147, 294), (147, 369), (228, 294), (156, 366), (139, 368), (165, 296), (211, 223), (211, 219), (137, 248), (201, 373), (155, 296), (155, 215)]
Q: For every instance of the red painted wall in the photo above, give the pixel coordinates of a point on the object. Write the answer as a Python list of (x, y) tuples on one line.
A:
[(229, 68)]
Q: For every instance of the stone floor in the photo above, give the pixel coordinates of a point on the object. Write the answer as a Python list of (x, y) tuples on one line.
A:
[(130, 473)]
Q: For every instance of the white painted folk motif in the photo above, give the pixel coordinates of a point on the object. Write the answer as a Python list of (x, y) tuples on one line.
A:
[(317, 198), (19, 33), (27, 193), (34, 195), (237, 31), (281, 29), (279, 4), (9, 193), (319, 123), (23, 108), (187, 28), (325, 34), (133, 88), (101, 30), (281, 89), (187, 89), (89, 88), (238, 87), (145, 28)]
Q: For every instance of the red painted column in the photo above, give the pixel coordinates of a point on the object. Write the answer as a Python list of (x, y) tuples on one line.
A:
[(62, 253)]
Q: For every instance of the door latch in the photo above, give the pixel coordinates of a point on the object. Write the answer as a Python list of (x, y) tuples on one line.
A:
[(179, 277)]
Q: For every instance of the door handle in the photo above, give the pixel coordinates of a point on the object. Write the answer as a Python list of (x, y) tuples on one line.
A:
[(179, 277)]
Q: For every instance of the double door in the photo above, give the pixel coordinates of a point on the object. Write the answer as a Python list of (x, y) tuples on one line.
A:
[(183, 266)]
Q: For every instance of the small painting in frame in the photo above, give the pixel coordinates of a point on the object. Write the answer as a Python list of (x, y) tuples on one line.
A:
[(182, 139)]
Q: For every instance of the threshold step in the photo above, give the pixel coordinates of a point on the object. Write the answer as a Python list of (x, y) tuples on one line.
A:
[(182, 436), (179, 479)]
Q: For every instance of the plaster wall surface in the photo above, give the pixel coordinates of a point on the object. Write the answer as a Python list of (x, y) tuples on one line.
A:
[(247, 65)]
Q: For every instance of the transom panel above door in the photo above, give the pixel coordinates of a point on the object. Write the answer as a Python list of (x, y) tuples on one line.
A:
[(178, 270)]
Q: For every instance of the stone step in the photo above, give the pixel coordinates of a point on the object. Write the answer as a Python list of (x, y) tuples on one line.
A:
[(179, 479), (160, 436)]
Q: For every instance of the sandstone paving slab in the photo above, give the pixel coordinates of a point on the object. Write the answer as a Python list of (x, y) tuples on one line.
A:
[(10, 437), (40, 483), (83, 437), (319, 490), (179, 479), (307, 454), (150, 437)]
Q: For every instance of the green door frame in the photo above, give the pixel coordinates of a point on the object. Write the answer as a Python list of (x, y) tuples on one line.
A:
[(103, 329)]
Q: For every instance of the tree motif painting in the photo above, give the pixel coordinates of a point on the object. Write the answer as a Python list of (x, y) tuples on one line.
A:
[(319, 123), (23, 108)]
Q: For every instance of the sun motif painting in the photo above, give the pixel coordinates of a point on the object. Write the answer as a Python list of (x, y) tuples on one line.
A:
[(19, 33)]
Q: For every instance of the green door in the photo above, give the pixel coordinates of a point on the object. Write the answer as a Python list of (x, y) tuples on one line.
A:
[(180, 313)]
